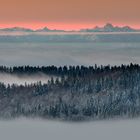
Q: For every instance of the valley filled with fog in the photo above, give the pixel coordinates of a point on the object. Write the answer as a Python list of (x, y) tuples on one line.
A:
[(42, 129), (59, 54), (23, 79)]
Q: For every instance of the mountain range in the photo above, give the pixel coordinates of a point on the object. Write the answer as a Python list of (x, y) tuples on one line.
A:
[(107, 28), (21, 29), (110, 28)]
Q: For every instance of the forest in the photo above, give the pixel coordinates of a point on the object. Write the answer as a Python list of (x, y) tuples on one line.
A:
[(76, 93)]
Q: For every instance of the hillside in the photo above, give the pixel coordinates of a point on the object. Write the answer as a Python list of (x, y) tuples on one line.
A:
[(80, 93)]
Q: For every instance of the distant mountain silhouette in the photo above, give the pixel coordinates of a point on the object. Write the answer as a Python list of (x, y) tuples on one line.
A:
[(110, 28), (14, 29), (107, 28), (20, 29), (46, 29)]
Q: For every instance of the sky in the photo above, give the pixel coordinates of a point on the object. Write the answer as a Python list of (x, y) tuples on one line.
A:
[(69, 14)]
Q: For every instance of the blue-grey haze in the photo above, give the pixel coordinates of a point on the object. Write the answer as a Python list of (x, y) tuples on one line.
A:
[(52, 130), (69, 53)]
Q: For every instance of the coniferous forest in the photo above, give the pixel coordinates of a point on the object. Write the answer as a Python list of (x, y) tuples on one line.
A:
[(74, 93)]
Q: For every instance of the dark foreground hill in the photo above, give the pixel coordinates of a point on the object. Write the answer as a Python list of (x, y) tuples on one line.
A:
[(77, 93)]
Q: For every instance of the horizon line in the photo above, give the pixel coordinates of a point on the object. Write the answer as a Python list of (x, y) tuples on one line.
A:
[(35, 27)]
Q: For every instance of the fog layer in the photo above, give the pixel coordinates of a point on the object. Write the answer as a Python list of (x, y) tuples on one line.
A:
[(22, 79), (68, 53), (38, 129)]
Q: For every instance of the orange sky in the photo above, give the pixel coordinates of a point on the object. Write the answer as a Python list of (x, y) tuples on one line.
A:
[(68, 14)]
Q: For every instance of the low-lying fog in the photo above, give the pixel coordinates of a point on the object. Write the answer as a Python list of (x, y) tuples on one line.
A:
[(23, 129), (22, 79), (35, 54)]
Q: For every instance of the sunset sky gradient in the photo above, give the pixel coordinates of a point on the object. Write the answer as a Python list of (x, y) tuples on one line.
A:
[(68, 14)]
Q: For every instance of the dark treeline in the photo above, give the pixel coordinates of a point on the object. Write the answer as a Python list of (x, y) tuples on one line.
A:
[(80, 93), (66, 70)]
